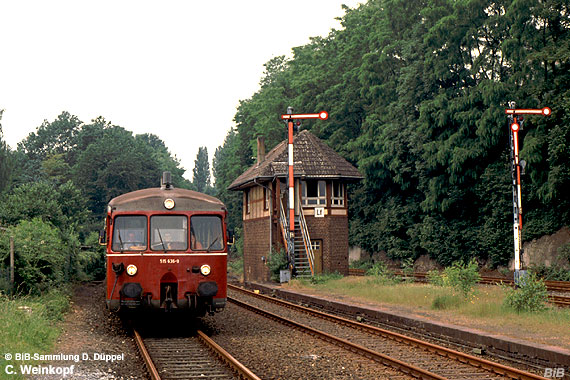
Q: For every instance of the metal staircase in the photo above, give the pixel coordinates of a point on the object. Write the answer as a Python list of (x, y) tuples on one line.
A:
[(302, 263), (299, 250)]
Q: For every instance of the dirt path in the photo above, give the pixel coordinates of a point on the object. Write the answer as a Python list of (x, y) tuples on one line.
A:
[(94, 341)]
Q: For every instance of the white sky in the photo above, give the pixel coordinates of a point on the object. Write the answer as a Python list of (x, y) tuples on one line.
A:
[(173, 68)]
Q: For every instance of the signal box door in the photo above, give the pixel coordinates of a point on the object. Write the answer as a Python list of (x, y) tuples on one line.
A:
[(317, 246)]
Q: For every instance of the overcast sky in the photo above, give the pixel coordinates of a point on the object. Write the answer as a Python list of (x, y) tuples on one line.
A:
[(173, 68)]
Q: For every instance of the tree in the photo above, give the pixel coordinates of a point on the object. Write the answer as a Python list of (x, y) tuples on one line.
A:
[(201, 177), (63, 206), (226, 169), (416, 92), (39, 255), (5, 160), (164, 158), (114, 164)]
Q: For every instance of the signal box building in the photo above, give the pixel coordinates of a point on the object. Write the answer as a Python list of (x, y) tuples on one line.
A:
[(320, 241)]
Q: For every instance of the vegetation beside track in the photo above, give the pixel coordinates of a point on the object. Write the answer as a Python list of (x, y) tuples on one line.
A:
[(30, 325), (484, 308)]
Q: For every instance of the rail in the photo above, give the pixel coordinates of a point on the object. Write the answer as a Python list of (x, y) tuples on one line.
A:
[(355, 348), (306, 238), (183, 370), (497, 368)]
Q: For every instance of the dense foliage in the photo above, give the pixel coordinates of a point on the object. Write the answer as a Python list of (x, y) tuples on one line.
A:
[(55, 187), (416, 91)]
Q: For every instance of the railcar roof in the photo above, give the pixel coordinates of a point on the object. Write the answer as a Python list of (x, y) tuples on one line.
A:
[(153, 200)]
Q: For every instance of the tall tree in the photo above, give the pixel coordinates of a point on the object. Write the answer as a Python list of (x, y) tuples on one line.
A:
[(201, 177), (226, 169), (416, 92), (114, 164), (165, 160), (5, 160)]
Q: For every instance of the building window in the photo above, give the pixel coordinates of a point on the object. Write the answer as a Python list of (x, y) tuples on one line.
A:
[(316, 245), (247, 201), (337, 194), (314, 193)]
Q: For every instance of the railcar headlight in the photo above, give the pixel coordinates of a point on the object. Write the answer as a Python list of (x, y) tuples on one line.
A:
[(205, 269), (131, 270), (169, 204)]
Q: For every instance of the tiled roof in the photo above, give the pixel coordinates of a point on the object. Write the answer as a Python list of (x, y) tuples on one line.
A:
[(312, 159)]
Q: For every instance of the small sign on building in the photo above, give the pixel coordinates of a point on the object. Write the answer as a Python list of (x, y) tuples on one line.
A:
[(319, 212)]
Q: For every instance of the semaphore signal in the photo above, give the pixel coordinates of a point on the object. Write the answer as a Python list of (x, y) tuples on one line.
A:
[(515, 124), (323, 115), (529, 111)]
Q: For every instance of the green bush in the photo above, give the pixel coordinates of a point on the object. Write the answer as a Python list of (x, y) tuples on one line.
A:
[(277, 261), (91, 261), (381, 274), (362, 264), (531, 295), (434, 277), (408, 269), (379, 268), (551, 273), (462, 276), (235, 266), (40, 256)]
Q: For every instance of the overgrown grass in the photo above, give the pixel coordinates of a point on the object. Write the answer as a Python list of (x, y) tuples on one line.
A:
[(483, 308), (321, 278), (29, 325), (235, 267)]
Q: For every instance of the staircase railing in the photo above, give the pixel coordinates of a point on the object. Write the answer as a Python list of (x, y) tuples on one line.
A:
[(306, 237), (287, 240)]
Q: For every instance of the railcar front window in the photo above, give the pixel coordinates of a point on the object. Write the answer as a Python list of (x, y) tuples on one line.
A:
[(129, 233), (169, 233), (206, 233)]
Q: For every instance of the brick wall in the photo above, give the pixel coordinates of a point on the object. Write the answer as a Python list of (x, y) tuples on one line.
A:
[(256, 246), (333, 230)]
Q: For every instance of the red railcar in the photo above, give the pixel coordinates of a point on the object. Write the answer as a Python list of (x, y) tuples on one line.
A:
[(166, 250)]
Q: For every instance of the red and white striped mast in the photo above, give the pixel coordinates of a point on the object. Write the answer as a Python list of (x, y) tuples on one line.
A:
[(515, 126), (290, 118)]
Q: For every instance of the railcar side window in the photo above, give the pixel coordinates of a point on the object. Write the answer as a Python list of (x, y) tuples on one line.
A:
[(169, 233), (206, 233), (129, 233)]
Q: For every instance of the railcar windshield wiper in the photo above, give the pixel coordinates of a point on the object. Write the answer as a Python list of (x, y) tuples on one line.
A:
[(120, 240), (161, 241), (212, 243)]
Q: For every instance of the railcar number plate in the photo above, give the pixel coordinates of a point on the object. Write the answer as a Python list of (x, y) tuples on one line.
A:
[(170, 261)]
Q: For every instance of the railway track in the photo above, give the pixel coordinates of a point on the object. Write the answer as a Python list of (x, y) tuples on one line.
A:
[(551, 286), (413, 357), (196, 357)]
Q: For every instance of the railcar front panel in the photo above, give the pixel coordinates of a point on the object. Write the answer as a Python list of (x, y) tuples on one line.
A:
[(167, 282), (166, 250)]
